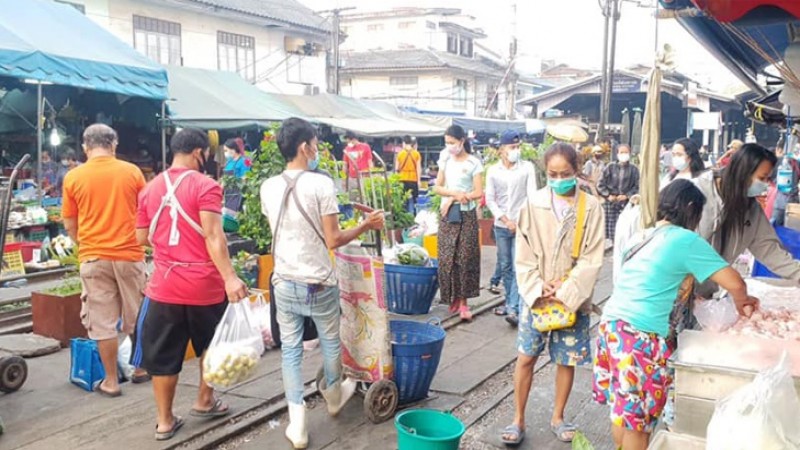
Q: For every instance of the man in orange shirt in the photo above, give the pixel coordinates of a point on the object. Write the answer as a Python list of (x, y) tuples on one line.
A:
[(99, 211), (408, 164)]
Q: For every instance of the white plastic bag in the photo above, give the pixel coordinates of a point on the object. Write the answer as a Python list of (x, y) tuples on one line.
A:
[(124, 357), (260, 309), (716, 315), (235, 349), (763, 415)]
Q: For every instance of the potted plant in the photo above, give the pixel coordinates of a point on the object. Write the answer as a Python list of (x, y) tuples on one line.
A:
[(57, 311)]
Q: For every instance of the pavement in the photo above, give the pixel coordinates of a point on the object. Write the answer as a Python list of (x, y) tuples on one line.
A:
[(50, 413)]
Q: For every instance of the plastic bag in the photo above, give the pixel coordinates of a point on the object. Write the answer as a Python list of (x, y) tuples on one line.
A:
[(716, 315), (581, 442), (260, 309), (429, 220), (235, 349), (124, 357), (763, 415), (412, 255)]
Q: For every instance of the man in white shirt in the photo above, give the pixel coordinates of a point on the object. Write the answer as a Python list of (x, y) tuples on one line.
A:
[(508, 184)]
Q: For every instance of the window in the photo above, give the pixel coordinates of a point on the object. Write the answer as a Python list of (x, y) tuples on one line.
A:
[(430, 25), (452, 43), (237, 53), (404, 81), (406, 25), (158, 39), (375, 27), (460, 94), (491, 100), (77, 6)]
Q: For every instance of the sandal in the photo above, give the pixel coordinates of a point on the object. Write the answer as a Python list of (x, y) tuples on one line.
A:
[(110, 394), (167, 435), (563, 427), (140, 379), (512, 430), (218, 409), (494, 289), (512, 319), (464, 312), (501, 311)]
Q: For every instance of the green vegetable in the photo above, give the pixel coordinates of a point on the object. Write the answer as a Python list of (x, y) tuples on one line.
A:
[(580, 442), (70, 286)]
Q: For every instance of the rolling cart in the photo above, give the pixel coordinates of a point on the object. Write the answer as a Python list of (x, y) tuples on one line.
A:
[(13, 369)]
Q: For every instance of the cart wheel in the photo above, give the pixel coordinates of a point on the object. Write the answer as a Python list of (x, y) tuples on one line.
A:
[(319, 381), (381, 401), (13, 373)]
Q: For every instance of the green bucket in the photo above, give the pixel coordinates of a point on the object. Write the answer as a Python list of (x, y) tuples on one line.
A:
[(426, 429)]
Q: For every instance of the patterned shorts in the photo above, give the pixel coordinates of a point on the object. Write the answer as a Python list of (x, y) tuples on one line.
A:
[(631, 375), (568, 347)]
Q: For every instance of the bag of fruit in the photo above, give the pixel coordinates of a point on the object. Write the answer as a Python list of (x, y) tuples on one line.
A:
[(235, 349)]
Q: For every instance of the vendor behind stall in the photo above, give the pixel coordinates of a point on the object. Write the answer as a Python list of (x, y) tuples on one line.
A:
[(733, 221), (237, 164)]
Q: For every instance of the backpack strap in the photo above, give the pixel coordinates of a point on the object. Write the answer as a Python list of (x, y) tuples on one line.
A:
[(291, 184), (580, 225), (176, 209)]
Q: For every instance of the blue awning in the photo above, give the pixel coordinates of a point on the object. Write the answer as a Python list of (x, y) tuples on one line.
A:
[(52, 42)]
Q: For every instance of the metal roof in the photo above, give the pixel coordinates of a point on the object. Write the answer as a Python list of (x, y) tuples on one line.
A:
[(379, 60), (288, 11)]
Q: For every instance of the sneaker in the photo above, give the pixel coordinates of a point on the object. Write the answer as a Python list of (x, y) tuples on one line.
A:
[(494, 289), (512, 319)]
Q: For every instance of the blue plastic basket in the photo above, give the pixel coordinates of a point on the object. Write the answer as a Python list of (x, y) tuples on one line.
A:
[(791, 241), (410, 289), (416, 350)]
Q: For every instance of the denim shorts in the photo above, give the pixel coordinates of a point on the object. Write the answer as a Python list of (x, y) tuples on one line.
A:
[(568, 347)]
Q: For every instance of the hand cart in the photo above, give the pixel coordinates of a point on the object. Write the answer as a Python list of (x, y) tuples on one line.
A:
[(13, 369)]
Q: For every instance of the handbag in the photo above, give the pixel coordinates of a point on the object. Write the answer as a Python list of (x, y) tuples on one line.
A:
[(550, 314), (454, 213), (86, 370), (309, 328)]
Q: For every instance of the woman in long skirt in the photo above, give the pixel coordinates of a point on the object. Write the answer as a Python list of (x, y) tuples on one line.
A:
[(460, 185)]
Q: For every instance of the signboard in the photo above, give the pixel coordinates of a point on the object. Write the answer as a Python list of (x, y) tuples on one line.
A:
[(690, 95), (626, 85), (706, 121)]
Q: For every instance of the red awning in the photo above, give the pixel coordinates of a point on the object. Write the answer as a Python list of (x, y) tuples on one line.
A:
[(731, 10)]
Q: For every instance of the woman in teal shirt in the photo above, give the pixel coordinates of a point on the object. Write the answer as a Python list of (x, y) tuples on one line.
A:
[(630, 370), (236, 163)]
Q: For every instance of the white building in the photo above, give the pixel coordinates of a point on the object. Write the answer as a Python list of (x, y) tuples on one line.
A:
[(423, 58), (278, 45)]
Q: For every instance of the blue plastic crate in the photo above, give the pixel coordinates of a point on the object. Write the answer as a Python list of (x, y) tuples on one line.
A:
[(791, 241), (410, 289), (416, 351)]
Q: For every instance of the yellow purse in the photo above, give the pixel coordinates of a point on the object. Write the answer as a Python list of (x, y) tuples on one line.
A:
[(550, 314)]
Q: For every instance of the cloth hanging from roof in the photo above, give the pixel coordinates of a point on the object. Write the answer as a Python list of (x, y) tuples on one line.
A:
[(651, 146)]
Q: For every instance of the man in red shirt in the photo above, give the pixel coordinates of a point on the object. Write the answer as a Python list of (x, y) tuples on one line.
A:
[(180, 216), (358, 151)]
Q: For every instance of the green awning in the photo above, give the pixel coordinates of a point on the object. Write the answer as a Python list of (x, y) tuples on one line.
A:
[(214, 100)]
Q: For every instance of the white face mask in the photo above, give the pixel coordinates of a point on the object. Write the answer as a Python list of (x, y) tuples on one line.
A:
[(679, 163), (454, 149), (757, 188), (513, 155), (624, 157)]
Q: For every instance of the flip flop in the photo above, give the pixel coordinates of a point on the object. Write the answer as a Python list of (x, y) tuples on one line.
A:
[(515, 431), (140, 379), (563, 427), (167, 435), (215, 411), (110, 394), (501, 311), (512, 319), (465, 313)]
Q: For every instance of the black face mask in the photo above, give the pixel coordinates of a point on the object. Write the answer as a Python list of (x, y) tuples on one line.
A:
[(203, 162)]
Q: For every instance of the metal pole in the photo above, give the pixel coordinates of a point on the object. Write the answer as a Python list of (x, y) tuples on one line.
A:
[(336, 31), (602, 127), (39, 114), (164, 135), (609, 86), (511, 88)]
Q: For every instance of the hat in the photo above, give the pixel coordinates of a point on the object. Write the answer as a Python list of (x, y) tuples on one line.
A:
[(597, 149), (736, 144), (509, 137)]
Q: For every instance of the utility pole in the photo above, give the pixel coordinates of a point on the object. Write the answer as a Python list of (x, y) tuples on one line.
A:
[(511, 87), (611, 11), (334, 61)]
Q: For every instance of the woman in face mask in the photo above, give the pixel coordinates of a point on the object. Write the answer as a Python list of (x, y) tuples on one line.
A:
[(236, 164), (558, 257), (686, 162), (460, 184)]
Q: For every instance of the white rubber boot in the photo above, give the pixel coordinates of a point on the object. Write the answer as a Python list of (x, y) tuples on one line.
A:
[(337, 395), (297, 431)]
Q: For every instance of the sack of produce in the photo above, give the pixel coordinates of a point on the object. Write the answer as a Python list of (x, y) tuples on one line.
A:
[(235, 349), (763, 415), (412, 255)]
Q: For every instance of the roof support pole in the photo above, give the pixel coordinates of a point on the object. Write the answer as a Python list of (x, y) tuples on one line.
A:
[(39, 114), (612, 9), (163, 135)]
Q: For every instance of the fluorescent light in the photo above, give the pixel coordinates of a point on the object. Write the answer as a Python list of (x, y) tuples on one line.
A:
[(55, 139), (32, 81)]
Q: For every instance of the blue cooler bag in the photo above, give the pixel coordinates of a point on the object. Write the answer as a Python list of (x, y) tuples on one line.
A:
[(86, 370)]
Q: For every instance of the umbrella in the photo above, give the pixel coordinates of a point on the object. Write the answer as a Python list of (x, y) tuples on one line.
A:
[(636, 134), (626, 127), (568, 133), (651, 142)]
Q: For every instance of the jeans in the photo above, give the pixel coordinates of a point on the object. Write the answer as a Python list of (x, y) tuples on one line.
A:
[(497, 275), (294, 301), (505, 256)]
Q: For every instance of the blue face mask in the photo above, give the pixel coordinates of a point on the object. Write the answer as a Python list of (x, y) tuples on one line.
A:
[(757, 188), (313, 164), (562, 186)]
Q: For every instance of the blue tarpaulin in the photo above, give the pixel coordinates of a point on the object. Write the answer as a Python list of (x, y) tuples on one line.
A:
[(53, 42)]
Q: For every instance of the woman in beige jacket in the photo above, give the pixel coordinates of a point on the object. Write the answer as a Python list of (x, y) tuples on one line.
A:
[(552, 265)]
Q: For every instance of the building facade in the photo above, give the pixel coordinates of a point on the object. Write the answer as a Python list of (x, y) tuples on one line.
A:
[(278, 45), (426, 59)]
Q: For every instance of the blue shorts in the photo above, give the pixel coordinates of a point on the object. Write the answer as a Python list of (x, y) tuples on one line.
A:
[(568, 347)]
